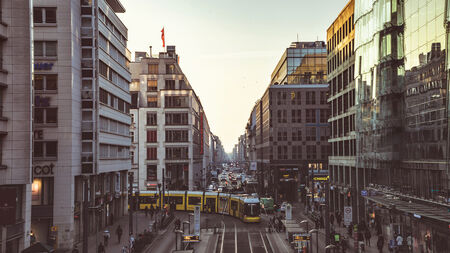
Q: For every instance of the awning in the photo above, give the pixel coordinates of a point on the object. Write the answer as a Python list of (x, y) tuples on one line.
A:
[(413, 208)]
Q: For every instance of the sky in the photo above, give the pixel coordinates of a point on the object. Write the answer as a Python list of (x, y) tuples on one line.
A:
[(228, 49)]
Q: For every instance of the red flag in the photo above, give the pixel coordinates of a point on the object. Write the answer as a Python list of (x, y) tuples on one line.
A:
[(162, 37)]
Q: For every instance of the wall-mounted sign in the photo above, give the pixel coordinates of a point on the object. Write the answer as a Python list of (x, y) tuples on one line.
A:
[(43, 66), (191, 238), (253, 166), (321, 178), (43, 170)]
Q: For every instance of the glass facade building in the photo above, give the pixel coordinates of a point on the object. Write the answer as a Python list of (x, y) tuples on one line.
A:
[(302, 63), (402, 117)]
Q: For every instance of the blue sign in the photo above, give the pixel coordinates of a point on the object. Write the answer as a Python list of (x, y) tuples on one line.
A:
[(364, 193), (43, 66)]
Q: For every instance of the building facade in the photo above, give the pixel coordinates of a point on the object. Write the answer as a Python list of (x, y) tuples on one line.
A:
[(290, 129), (402, 120), (81, 118), (171, 127), (15, 125), (344, 177)]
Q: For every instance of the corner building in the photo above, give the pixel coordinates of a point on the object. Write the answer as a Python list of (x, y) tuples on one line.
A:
[(172, 134), (81, 118), (345, 178), (290, 128)]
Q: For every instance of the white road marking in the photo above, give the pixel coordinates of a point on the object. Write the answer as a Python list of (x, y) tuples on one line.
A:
[(223, 237), (262, 239), (281, 240), (235, 239), (250, 242)]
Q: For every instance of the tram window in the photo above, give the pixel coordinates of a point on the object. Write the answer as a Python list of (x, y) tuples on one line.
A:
[(234, 205), (147, 200), (195, 201), (176, 200)]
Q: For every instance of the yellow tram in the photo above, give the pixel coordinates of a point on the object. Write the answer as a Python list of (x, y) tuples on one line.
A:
[(245, 207)]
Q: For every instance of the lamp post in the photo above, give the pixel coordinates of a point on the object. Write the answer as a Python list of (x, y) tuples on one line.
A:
[(331, 246), (317, 239), (307, 225)]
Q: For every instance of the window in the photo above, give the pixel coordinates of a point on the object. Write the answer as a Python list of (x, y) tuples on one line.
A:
[(282, 136), (170, 69), (152, 101), (310, 134), (45, 149), (176, 101), (296, 152), (151, 153), (282, 152), (296, 134), (296, 116), (153, 69), (151, 119), (151, 136), (310, 115), (45, 82), (323, 97), (45, 48), (170, 84), (296, 98), (310, 98), (45, 15), (196, 201), (45, 115), (176, 135), (176, 118), (103, 96), (324, 115), (177, 153), (152, 85), (103, 69), (151, 173), (311, 152)]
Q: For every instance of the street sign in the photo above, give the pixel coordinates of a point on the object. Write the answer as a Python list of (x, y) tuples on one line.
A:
[(348, 215), (321, 178), (364, 193), (301, 237), (288, 212), (197, 220), (191, 238)]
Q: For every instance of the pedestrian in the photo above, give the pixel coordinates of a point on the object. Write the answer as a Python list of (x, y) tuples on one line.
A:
[(338, 218), (331, 219), (399, 240), (106, 236), (125, 249), (409, 241), (101, 248), (119, 232), (146, 211), (152, 211), (367, 235), (392, 245), (75, 249), (380, 243)]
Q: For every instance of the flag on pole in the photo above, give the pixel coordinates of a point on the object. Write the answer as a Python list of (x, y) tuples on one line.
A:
[(162, 37)]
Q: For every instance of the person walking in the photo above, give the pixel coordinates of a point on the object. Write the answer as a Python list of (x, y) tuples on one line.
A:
[(146, 211), (331, 219), (338, 218), (152, 211), (380, 243), (101, 248), (367, 235), (119, 232)]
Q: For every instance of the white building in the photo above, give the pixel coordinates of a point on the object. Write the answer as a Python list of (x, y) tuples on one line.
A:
[(15, 125), (171, 133), (81, 117)]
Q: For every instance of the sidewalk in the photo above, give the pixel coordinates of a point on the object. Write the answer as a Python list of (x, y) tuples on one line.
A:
[(113, 245), (299, 215)]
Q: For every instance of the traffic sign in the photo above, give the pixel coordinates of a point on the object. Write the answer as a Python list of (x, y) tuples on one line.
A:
[(348, 215)]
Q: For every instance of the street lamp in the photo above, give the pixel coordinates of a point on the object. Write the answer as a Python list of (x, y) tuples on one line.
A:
[(331, 246), (307, 224), (317, 239)]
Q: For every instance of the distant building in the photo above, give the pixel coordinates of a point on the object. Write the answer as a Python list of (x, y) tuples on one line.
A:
[(171, 133), (288, 128)]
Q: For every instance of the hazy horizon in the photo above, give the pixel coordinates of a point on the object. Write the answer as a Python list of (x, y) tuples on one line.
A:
[(227, 49)]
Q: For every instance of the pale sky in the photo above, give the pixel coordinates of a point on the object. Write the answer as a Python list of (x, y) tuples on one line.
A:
[(228, 49)]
